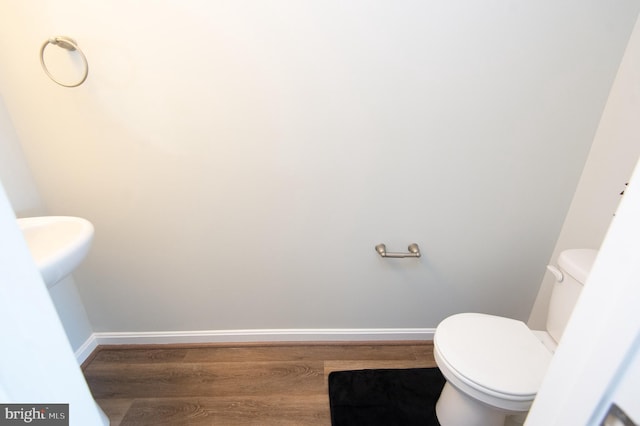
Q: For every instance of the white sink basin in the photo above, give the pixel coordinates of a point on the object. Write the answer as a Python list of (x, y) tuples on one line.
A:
[(57, 243)]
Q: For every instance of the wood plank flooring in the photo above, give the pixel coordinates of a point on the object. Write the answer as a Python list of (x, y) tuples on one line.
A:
[(228, 385)]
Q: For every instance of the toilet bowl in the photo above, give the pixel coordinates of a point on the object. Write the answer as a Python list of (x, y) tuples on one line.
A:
[(493, 362), (494, 365)]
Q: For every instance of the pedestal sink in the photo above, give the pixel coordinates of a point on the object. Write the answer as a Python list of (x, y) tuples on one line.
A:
[(57, 243)]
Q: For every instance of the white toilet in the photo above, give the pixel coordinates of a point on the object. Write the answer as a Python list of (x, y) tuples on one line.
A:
[(494, 365)]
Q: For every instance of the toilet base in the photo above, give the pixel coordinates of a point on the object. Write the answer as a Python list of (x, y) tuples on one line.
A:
[(454, 408)]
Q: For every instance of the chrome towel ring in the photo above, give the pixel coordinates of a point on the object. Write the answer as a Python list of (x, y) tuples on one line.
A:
[(70, 45)]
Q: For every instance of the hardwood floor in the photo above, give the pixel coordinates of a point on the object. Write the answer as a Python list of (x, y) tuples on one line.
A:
[(243, 384)]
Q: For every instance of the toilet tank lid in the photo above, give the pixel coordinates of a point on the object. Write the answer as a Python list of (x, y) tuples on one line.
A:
[(577, 262)]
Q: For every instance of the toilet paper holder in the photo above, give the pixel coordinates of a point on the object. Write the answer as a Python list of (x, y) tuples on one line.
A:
[(414, 251)]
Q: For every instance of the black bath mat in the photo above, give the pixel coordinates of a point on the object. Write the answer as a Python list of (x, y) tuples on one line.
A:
[(399, 397)]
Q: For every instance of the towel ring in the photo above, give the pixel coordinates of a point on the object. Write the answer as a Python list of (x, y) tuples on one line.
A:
[(70, 45)]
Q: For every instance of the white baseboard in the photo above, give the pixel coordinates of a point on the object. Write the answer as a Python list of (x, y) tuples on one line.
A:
[(249, 336), (83, 352)]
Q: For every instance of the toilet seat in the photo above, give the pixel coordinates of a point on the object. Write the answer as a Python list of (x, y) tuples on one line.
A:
[(498, 360)]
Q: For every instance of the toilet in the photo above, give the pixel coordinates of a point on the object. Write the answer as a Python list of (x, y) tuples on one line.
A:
[(494, 365)]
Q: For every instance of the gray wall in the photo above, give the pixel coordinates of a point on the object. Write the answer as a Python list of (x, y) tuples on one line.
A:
[(241, 160), (613, 156), (14, 171)]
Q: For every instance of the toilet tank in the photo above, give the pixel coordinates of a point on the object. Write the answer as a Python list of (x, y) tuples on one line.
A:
[(574, 265)]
